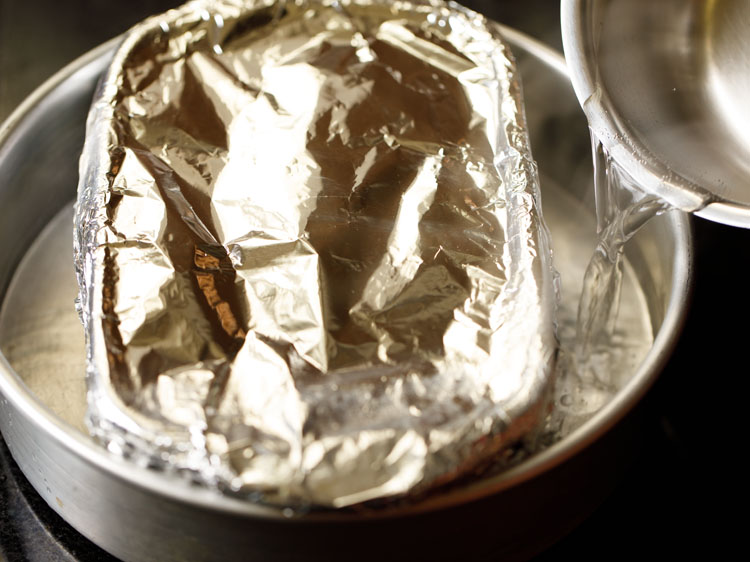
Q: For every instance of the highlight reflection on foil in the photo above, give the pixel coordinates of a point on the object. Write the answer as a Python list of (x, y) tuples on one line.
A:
[(310, 249)]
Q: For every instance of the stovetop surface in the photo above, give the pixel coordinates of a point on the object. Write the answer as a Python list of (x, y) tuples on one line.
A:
[(679, 496)]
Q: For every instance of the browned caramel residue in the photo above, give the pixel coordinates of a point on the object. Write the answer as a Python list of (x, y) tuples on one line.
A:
[(207, 268)]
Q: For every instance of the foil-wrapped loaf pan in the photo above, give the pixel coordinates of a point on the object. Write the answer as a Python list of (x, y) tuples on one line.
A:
[(312, 264)]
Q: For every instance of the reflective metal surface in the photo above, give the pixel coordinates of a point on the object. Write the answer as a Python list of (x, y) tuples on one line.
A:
[(664, 85), (140, 516), (312, 262)]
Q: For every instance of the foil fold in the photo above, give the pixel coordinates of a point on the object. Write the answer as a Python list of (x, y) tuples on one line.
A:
[(313, 268)]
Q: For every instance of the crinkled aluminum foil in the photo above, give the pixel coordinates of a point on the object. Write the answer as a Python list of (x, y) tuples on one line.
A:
[(312, 262)]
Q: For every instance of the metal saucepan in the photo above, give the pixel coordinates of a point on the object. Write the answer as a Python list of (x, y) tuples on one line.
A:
[(664, 86)]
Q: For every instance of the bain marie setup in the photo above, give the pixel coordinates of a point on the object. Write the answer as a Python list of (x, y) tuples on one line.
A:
[(232, 379)]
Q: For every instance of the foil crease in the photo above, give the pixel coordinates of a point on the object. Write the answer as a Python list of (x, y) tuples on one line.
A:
[(312, 263)]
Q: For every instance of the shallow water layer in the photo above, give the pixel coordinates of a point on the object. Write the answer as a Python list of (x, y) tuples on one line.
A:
[(621, 210), (41, 335), (599, 341)]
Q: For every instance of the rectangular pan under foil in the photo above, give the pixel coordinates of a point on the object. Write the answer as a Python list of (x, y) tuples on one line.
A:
[(313, 268)]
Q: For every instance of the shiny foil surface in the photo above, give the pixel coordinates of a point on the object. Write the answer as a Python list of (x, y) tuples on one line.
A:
[(312, 261)]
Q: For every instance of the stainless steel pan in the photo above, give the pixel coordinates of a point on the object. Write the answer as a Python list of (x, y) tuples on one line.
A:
[(138, 514), (664, 85)]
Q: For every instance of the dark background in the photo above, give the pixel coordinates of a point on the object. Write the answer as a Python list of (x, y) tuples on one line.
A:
[(684, 494)]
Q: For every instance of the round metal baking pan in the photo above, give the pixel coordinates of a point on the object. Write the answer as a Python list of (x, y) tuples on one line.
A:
[(138, 514)]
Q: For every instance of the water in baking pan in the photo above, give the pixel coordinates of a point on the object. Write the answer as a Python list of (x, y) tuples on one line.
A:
[(604, 324), (593, 356), (621, 210), (43, 340)]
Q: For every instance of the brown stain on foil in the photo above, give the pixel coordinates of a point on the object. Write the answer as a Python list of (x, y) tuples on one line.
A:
[(118, 364), (215, 278)]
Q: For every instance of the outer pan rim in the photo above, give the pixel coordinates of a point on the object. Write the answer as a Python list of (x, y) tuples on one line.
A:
[(15, 394)]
